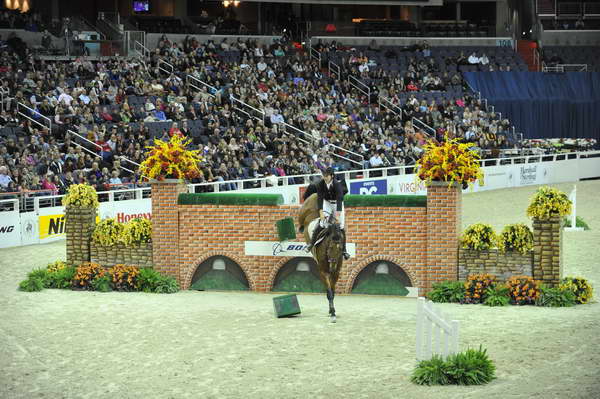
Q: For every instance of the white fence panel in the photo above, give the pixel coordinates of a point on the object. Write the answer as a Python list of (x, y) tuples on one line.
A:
[(436, 333)]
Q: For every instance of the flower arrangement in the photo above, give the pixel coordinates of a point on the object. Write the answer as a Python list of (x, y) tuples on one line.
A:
[(55, 267), (548, 202), (136, 231), (449, 161), (515, 237), (476, 287), (523, 290), (107, 232), (85, 274), (81, 196), (171, 160), (580, 287), (124, 278), (478, 236)]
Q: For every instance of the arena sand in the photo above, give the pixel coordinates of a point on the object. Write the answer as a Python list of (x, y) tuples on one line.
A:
[(64, 344)]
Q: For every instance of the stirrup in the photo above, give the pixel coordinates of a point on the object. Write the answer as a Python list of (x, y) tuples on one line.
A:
[(346, 255)]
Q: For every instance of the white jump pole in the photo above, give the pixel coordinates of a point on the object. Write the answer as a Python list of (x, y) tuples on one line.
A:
[(573, 198)]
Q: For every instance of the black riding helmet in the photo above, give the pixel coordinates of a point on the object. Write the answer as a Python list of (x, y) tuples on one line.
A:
[(328, 172)]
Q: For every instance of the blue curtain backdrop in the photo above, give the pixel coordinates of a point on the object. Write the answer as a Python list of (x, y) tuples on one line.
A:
[(543, 105)]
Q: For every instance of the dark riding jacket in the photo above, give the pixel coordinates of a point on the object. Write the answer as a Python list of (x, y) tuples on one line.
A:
[(334, 192)]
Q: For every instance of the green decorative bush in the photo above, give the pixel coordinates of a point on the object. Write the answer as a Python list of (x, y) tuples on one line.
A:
[(579, 222), (447, 291), (555, 297), (516, 237), (107, 232), (151, 281), (101, 284), (431, 372), (31, 285), (580, 287), (497, 295), (61, 278), (471, 367), (478, 236)]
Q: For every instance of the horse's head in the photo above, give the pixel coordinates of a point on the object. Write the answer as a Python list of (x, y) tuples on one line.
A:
[(335, 247)]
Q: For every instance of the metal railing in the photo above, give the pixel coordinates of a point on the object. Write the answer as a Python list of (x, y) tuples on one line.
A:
[(386, 103), (561, 68), (168, 68), (357, 83), (591, 9), (428, 130), (315, 54), (20, 111), (140, 49), (334, 70), (247, 108), (193, 81)]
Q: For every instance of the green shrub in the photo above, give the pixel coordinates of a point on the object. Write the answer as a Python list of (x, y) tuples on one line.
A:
[(101, 284), (40, 274), (579, 222), (447, 291), (31, 285), (580, 287), (431, 372), (555, 297), (166, 285), (60, 279), (515, 237), (149, 280), (478, 236), (496, 295), (472, 367)]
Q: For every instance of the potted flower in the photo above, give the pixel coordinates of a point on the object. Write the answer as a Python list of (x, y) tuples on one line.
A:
[(171, 160), (81, 203), (451, 162)]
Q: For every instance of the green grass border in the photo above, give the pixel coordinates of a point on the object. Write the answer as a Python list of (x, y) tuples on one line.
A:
[(229, 199), (405, 201)]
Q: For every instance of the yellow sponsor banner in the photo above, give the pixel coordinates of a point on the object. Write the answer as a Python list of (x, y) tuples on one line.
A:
[(53, 226)]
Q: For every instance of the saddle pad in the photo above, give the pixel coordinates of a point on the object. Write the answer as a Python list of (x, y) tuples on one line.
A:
[(311, 229)]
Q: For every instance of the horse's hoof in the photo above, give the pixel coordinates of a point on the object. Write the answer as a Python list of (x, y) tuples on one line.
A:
[(333, 319)]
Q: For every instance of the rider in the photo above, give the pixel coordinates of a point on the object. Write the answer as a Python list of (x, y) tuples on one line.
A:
[(330, 201)]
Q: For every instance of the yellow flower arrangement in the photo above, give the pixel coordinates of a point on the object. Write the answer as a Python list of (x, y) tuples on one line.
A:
[(136, 231), (548, 202), (516, 237), (56, 266), (107, 232), (580, 287), (81, 196), (171, 160), (478, 237), (449, 161)]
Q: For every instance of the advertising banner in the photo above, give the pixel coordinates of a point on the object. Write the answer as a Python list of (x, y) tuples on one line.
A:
[(10, 228), (369, 187), (285, 249)]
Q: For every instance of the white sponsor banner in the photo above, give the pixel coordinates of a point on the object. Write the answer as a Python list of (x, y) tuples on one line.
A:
[(285, 249), (30, 228), (406, 185), (10, 228), (124, 211)]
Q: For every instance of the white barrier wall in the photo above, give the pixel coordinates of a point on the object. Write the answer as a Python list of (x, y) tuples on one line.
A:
[(47, 224)]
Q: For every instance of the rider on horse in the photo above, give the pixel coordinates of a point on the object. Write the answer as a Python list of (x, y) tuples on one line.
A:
[(330, 202)]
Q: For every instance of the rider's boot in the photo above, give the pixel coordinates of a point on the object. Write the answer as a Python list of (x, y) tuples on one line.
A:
[(314, 237), (346, 254)]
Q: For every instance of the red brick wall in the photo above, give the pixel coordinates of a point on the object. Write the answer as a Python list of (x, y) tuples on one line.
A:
[(165, 226), (422, 241), (444, 213)]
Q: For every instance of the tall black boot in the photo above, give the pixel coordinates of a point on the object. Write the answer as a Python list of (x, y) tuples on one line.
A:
[(346, 254), (314, 237)]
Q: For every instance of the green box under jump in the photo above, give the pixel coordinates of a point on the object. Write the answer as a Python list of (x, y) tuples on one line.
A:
[(286, 305)]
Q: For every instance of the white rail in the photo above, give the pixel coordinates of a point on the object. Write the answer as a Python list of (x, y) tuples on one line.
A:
[(34, 112), (437, 334), (356, 83), (168, 67)]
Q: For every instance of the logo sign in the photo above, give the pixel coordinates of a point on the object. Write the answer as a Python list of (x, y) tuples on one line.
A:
[(6, 229), (285, 249), (528, 174), (369, 187), (412, 188), (53, 226), (504, 43), (123, 217)]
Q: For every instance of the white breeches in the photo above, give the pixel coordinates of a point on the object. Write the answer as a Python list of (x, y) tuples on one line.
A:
[(331, 207)]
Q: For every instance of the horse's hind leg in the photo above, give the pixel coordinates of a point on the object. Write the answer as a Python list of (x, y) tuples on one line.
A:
[(330, 296)]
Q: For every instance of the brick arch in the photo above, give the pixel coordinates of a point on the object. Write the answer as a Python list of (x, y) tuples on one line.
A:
[(412, 276), (275, 270), (187, 271)]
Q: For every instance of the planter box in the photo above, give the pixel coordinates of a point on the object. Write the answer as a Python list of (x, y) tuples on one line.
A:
[(140, 256), (500, 264)]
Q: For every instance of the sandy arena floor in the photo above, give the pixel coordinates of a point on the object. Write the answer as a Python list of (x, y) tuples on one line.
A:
[(64, 344)]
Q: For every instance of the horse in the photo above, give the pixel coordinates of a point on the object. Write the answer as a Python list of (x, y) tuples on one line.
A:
[(329, 253)]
